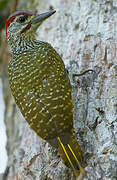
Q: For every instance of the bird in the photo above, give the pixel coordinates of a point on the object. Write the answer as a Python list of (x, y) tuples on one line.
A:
[(41, 87)]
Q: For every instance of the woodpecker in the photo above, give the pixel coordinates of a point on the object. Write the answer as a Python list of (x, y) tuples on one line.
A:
[(40, 85)]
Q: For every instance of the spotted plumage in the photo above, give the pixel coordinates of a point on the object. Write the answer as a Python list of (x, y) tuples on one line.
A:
[(42, 91), (40, 84)]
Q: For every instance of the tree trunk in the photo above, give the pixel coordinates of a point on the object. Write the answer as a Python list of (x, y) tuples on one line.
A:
[(84, 32)]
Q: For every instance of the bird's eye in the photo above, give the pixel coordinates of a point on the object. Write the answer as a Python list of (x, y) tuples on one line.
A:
[(22, 19)]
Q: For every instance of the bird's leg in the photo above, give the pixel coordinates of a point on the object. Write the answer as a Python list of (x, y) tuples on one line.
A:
[(82, 73)]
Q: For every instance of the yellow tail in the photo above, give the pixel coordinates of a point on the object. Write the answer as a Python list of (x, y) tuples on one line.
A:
[(71, 154)]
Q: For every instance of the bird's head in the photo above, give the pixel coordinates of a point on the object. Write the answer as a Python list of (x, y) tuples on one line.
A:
[(24, 23)]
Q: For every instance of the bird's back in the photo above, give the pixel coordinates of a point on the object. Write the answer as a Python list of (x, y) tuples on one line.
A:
[(41, 88)]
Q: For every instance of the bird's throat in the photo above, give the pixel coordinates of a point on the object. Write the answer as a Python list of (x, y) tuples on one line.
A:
[(21, 43)]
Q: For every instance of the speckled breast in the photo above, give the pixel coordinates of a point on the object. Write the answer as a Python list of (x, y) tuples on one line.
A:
[(41, 89)]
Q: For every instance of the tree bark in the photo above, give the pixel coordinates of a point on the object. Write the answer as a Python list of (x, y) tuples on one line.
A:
[(84, 32)]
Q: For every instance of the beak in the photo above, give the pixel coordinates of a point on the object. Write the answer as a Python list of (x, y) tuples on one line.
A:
[(41, 17)]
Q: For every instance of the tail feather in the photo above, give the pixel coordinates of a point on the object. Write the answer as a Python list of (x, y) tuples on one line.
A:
[(71, 154)]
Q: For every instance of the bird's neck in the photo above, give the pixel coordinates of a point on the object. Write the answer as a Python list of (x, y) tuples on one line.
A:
[(22, 43)]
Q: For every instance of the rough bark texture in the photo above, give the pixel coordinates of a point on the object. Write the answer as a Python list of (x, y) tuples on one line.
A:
[(84, 32)]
